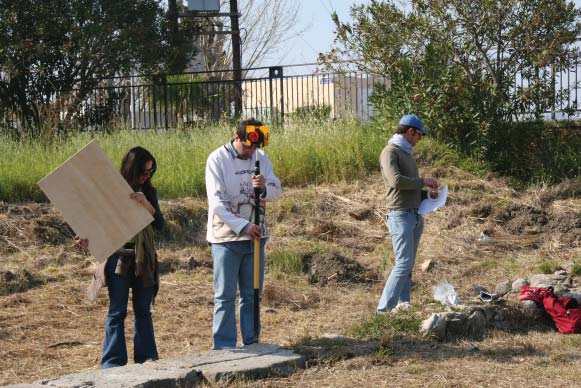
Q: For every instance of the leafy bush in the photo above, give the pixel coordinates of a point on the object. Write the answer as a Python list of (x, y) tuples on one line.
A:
[(306, 114), (535, 151)]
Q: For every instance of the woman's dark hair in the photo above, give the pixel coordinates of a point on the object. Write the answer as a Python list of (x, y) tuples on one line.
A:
[(133, 166)]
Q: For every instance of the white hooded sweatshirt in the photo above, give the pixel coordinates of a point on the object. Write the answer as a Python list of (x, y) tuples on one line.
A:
[(231, 195)]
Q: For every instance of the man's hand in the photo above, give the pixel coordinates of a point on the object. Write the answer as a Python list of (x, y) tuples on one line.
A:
[(431, 183), (258, 181), (254, 231)]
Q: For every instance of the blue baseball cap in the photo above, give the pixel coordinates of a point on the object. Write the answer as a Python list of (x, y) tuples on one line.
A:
[(413, 121)]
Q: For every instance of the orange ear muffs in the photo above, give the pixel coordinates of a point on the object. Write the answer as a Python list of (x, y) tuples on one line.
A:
[(253, 136)]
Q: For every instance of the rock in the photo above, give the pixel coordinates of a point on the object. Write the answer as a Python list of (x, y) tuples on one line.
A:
[(559, 290), (559, 276), (434, 326), (518, 284), (531, 310), (542, 281), (477, 324), (567, 283), (501, 315), (489, 312), (503, 288), (456, 324)]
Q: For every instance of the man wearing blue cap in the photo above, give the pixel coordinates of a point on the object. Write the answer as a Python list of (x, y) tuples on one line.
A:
[(404, 194)]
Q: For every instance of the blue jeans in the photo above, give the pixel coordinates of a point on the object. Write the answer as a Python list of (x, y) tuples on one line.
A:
[(405, 227), (234, 267), (114, 348)]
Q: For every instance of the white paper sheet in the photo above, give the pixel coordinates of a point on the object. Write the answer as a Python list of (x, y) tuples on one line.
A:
[(429, 205)]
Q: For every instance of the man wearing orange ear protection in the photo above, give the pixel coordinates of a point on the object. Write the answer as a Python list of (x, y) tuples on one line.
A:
[(230, 186)]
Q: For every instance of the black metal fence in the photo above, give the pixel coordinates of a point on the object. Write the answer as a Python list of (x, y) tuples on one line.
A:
[(194, 99), (550, 93), (197, 98)]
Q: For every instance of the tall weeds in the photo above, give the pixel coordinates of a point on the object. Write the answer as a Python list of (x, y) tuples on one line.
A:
[(301, 154)]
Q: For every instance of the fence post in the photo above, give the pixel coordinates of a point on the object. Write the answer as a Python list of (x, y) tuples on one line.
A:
[(164, 83), (281, 97), (154, 102), (553, 92), (275, 72)]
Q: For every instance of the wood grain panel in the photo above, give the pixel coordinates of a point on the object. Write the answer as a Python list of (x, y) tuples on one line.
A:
[(93, 198)]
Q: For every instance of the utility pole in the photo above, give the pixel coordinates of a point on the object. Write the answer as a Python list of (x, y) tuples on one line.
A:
[(236, 58), (172, 16)]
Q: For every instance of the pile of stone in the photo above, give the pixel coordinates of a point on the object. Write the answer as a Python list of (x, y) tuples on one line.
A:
[(503, 311)]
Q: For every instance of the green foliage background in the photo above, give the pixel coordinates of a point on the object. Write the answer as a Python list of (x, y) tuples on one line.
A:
[(455, 64)]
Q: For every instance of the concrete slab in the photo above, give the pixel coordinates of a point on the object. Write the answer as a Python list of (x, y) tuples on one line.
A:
[(249, 362)]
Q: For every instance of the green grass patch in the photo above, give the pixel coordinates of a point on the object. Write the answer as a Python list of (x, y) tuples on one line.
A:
[(285, 261), (301, 154), (576, 269), (547, 266), (388, 325)]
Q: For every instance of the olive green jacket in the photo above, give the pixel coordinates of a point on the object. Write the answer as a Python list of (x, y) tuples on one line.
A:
[(401, 177)]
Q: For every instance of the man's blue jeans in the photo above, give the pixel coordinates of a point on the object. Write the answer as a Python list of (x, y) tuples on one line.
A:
[(405, 227), (114, 348), (234, 266)]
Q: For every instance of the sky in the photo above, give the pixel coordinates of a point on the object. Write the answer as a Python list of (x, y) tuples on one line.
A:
[(317, 28), (315, 20), (317, 36)]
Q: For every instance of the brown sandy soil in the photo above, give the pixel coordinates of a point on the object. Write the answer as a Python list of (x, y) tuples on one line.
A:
[(47, 328)]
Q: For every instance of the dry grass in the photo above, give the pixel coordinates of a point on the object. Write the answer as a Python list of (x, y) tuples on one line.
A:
[(47, 328)]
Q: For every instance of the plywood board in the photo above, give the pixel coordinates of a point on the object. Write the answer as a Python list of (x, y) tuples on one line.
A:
[(93, 198)]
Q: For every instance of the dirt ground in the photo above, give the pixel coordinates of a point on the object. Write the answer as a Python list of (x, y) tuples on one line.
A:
[(48, 328)]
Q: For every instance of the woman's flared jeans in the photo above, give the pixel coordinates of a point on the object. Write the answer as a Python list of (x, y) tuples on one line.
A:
[(114, 347)]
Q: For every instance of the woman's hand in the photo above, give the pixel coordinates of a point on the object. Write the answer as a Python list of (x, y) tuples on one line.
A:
[(142, 200)]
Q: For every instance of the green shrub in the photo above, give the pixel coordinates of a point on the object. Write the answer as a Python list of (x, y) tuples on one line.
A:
[(535, 151), (306, 114)]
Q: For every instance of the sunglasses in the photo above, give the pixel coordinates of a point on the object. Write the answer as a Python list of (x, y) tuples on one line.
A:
[(417, 131), (148, 172)]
